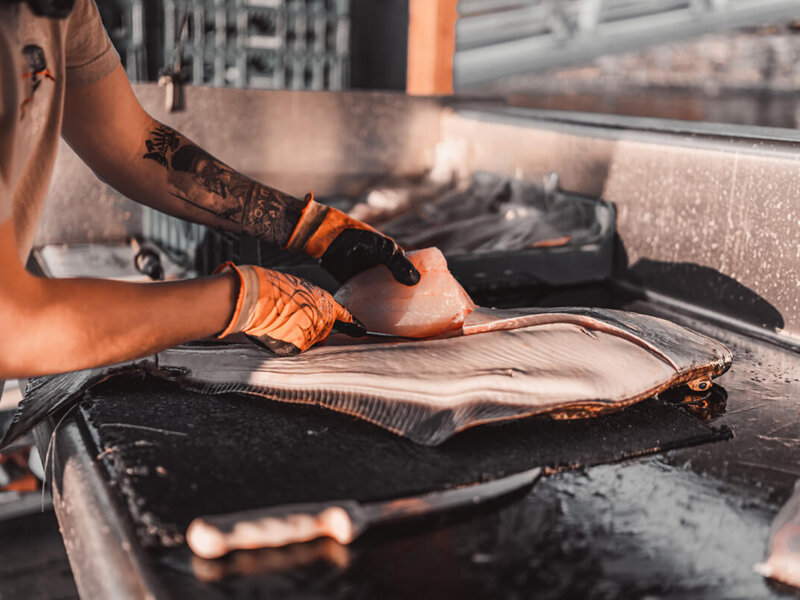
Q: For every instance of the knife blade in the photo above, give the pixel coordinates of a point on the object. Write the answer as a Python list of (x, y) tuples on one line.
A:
[(343, 520)]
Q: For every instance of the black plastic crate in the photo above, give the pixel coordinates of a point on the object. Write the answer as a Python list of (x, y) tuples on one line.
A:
[(588, 260)]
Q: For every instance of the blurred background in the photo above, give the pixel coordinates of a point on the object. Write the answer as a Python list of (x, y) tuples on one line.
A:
[(728, 61)]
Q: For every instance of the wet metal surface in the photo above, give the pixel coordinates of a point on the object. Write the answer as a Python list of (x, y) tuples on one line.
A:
[(763, 409), (641, 529), (619, 531)]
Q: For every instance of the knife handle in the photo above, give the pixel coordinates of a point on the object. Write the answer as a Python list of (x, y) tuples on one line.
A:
[(216, 535)]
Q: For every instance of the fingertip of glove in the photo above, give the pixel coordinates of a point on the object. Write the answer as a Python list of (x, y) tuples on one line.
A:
[(414, 276), (404, 271)]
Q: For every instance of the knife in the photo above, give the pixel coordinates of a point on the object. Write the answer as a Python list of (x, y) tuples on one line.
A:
[(343, 520)]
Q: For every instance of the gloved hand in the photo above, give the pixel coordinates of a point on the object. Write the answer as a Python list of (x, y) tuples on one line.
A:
[(346, 246), (284, 313)]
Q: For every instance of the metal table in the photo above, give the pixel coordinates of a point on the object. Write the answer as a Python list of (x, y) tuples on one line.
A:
[(688, 523)]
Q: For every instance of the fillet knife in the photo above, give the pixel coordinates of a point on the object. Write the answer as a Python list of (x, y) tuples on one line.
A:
[(343, 520)]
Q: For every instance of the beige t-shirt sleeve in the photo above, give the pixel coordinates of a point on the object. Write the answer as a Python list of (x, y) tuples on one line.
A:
[(89, 53)]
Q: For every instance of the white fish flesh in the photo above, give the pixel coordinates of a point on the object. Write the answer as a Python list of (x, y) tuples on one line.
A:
[(433, 306)]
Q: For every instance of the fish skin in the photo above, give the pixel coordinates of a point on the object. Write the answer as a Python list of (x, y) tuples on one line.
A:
[(435, 305)]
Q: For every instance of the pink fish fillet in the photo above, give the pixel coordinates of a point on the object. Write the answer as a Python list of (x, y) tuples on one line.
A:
[(435, 305)]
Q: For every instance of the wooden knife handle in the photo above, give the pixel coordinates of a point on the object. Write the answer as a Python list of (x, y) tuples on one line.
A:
[(216, 535)]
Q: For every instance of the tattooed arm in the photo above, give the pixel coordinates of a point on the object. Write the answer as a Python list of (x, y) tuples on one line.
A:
[(156, 165), (160, 167), (231, 200)]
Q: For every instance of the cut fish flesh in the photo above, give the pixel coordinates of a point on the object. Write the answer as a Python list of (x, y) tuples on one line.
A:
[(435, 305), (567, 363)]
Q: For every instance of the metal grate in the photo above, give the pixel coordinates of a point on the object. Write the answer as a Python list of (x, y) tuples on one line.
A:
[(201, 249), (125, 23), (263, 44), (499, 38), (178, 238)]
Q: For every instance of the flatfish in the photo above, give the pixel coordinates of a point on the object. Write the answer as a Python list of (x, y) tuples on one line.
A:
[(565, 363)]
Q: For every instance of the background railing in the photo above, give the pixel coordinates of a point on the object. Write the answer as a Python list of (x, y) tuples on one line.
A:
[(500, 38), (261, 44)]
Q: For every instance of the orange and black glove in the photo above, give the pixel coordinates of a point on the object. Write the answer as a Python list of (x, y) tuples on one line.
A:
[(284, 313), (346, 246)]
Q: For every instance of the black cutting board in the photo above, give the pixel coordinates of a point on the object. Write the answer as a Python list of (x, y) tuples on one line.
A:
[(173, 455)]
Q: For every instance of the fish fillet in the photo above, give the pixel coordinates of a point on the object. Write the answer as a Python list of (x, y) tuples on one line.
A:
[(567, 363), (435, 305)]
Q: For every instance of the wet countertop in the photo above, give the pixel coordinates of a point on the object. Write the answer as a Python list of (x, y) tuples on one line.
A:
[(690, 522)]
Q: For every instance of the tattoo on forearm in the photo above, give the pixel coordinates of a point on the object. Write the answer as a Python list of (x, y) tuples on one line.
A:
[(163, 140), (200, 179)]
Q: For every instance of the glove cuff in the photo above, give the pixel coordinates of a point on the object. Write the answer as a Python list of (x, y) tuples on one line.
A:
[(310, 223), (249, 289)]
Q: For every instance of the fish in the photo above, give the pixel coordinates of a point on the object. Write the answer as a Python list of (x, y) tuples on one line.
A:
[(563, 363), (783, 562), (490, 214), (435, 305)]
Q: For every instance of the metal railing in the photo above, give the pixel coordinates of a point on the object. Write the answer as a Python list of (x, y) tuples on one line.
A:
[(499, 38), (125, 23), (264, 44)]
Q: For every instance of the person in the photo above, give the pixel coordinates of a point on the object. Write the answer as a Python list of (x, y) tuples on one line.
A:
[(61, 76)]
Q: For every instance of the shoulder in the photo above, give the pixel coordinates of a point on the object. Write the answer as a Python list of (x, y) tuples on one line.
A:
[(89, 53)]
